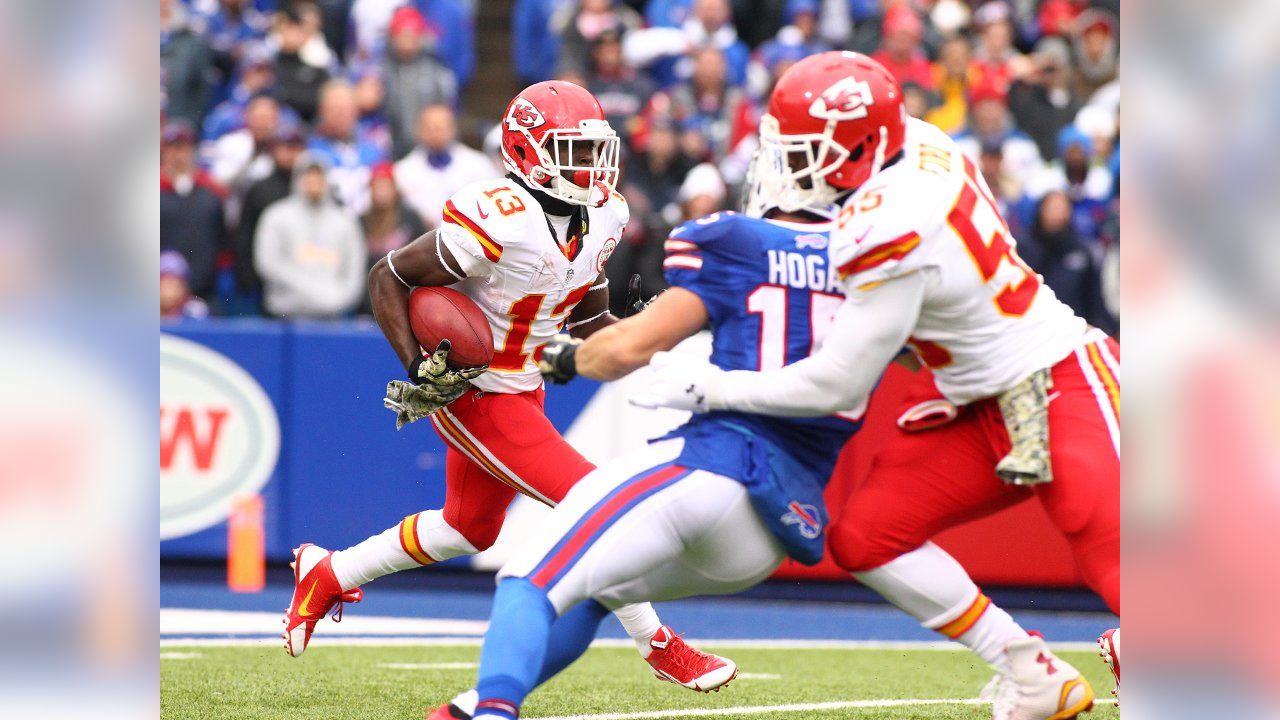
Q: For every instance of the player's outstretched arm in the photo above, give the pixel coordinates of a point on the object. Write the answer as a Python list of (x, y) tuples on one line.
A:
[(869, 330), (626, 345), (629, 344), (423, 262)]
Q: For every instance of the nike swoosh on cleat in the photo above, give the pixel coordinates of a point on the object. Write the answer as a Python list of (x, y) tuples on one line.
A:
[(303, 609)]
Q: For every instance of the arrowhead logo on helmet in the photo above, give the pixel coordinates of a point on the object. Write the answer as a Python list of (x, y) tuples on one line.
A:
[(524, 115), (847, 99)]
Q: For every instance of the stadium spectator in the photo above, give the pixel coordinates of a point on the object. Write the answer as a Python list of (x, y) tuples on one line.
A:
[(995, 55), (185, 63), (651, 183), (452, 28), (666, 51), (795, 40), (536, 26), (1097, 51), (389, 224), (335, 18), (367, 29), (255, 77), (917, 101), (1083, 176), (954, 74), (348, 155), (371, 95), (240, 158), (1041, 98), (667, 13), (315, 50), (723, 114), (414, 79), (900, 50), (287, 146), (191, 213), (298, 80), (702, 192), (593, 19), (309, 251), (622, 91), (233, 28), (990, 123), (1006, 190), (439, 165), (176, 300), (1057, 17), (1055, 251)]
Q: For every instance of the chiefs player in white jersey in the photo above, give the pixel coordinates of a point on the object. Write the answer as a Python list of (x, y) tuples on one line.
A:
[(927, 262), (530, 250)]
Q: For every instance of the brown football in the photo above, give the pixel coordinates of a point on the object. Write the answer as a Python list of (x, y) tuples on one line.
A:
[(440, 313)]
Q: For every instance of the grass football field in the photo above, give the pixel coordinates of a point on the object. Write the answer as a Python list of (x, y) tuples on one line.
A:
[(609, 683)]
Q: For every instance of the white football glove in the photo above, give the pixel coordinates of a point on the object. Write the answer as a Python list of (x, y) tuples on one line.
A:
[(680, 382)]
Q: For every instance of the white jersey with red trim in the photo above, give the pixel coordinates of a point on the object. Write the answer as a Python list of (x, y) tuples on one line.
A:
[(987, 320), (523, 278)]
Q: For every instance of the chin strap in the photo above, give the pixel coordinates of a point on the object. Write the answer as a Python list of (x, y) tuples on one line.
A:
[(878, 162)]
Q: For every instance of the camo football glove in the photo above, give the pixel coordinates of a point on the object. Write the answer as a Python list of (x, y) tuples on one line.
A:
[(557, 362), (434, 385)]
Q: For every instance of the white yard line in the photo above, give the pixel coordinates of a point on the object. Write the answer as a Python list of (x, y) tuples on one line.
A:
[(181, 621), (431, 666), (181, 655), (758, 676), (320, 640), (761, 709)]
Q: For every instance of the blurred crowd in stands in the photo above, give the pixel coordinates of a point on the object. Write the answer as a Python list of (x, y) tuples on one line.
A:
[(303, 140)]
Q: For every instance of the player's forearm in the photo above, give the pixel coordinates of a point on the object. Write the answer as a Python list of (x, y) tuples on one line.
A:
[(609, 354), (868, 332), (390, 300)]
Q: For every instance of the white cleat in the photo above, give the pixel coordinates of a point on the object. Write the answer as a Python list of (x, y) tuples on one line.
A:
[(1109, 649), (1038, 685)]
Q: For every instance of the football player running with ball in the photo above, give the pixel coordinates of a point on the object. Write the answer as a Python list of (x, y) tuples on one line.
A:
[(925, 260), (530, 250)]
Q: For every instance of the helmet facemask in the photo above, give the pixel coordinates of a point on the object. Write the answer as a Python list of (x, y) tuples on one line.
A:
[(556, 172), (801, 164), (769, 186)]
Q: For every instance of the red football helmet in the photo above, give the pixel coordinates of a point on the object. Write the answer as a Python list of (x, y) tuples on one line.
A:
[(833, 120), (545, 129)]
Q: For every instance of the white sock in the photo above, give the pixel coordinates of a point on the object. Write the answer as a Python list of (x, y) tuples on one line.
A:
[(466, 702), (418, 540), (932, 587), (641, 622)]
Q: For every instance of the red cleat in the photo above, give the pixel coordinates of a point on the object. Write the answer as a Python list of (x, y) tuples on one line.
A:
[(1109, 649), (448, 711), (674, 660), (315, 593)]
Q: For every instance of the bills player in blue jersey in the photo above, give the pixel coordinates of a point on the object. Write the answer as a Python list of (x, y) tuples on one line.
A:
[(714, 506)]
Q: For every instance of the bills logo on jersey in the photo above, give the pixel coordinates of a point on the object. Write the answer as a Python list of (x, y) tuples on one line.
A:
[(814, 241), (524, 116), (805, 518), (846, 99)]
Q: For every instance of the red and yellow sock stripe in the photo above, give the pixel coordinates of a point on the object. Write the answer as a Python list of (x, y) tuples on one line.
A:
[(492, 248), (410, 543), (1109, 380), (895, 249), (967, 619)]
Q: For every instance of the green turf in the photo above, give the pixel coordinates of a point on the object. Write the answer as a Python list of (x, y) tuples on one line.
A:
[(349, 683)]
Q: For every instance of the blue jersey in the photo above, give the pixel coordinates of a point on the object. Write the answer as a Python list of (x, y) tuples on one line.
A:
[(771, 296)]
